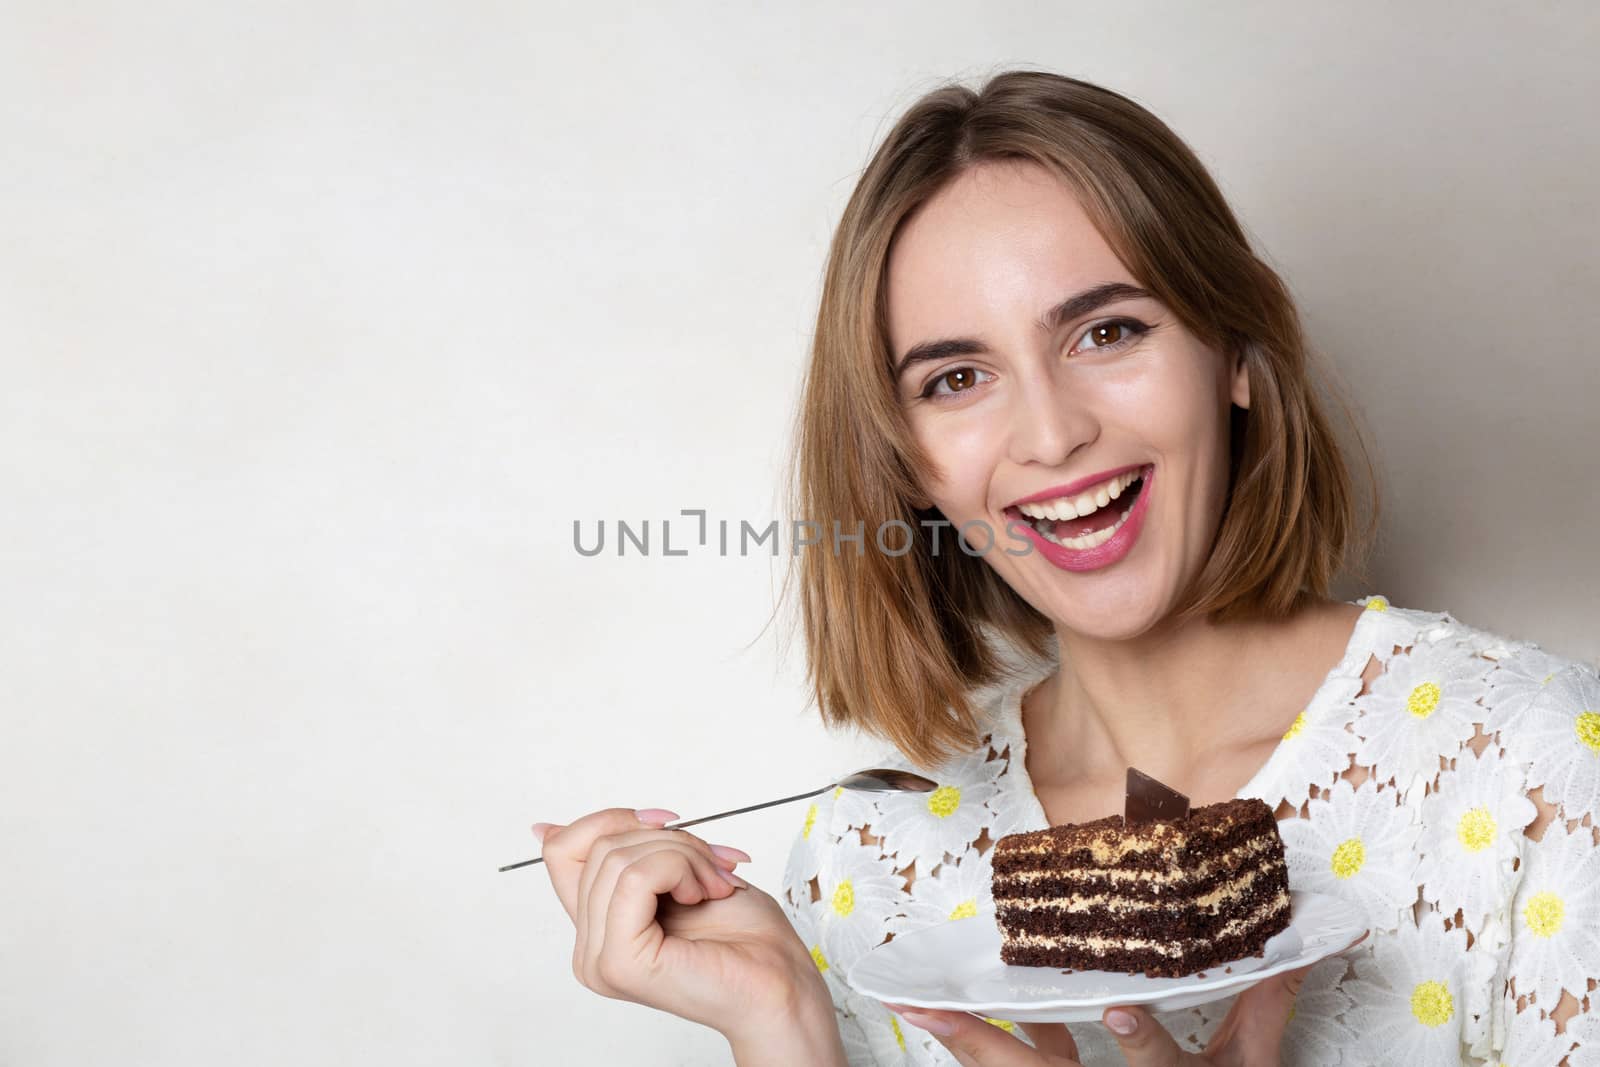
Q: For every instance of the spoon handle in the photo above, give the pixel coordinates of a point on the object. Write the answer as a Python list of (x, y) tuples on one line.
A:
[(703, 818)]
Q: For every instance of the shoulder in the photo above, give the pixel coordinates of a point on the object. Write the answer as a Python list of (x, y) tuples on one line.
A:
[(1509, 661), (1540, 707), (1447, 701), (1523, 680), (1547, 716)]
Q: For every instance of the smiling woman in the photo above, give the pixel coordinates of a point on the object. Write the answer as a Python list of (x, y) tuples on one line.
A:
[(1040, 316), (1026, 278)]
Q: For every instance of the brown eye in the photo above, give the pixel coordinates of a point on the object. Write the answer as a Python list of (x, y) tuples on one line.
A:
[(958, 380), (1111, 334), (954, 380)]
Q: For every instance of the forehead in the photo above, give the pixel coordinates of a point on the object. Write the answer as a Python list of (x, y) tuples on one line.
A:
[(1004, 239)]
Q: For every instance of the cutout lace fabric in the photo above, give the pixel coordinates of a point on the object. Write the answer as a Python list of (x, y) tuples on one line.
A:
[(1452, 795)]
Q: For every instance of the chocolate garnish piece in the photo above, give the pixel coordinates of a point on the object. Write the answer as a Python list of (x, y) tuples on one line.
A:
[(1150, 801)]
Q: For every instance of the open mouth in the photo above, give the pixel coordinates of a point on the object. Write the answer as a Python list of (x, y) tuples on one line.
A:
[(1087, 519)]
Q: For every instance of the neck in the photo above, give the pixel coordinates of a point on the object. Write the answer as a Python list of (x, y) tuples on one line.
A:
[(1170, 698)]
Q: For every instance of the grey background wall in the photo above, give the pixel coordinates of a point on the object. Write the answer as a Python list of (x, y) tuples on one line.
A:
[(320, 323)]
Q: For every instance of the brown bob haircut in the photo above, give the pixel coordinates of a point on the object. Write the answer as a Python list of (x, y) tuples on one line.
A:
[(897, 643)]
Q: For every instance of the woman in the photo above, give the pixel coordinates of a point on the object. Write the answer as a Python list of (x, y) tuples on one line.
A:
[(1044, 335)]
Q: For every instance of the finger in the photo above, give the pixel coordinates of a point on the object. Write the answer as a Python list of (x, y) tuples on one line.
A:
[(590, 925), (612, 855), (601, 846), (978, 1042), (565, 848), (1053, 1039), (1253, 1031), (1143, 1041), (628, 937), (697, 879)]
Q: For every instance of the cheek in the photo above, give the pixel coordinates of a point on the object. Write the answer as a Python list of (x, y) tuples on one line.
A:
[(1182, 411), (963, 455)]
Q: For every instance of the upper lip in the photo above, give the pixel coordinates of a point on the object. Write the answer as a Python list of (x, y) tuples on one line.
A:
[(1073, 488)]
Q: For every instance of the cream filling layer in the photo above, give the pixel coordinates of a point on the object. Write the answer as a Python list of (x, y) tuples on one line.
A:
[(1253, 847), (1225, 891), (1098, 943), (1114, 846)]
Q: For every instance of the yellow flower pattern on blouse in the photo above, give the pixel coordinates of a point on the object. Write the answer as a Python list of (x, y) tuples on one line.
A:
[(1544, 913), (844, 898), (1405, 791), (1476, 829), (1424, 700), (944, 801), (1349, 858), (1432, 1004), (1588, 727)]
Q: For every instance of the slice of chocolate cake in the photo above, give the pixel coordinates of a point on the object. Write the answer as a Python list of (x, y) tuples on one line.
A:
[(1166, 897)]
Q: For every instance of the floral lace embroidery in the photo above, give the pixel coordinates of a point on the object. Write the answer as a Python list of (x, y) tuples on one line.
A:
[(1452, 797)]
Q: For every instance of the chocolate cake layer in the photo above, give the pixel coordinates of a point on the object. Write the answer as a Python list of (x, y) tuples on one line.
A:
[(1199, 916), (1105, 844), (1197, 881), (1167, 959), (1165, 898), (1064, 917)]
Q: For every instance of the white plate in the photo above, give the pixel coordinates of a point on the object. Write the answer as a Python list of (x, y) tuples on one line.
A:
[(955, 966)]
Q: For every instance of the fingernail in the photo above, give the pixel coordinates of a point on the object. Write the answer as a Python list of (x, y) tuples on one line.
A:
[(734, 879), (656, 815), (1121, 1022), (540, 829), (729, 853), (931, 1023)]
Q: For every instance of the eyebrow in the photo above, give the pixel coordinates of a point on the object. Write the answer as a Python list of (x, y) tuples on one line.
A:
[(1073, 307)]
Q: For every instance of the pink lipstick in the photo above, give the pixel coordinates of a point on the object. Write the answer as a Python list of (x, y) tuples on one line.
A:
[(1114, 548)]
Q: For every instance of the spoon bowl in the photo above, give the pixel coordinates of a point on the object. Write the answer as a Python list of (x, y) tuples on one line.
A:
[(887, 779)]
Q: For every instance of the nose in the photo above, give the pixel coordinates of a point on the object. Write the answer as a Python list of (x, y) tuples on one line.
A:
[(1048, 423)]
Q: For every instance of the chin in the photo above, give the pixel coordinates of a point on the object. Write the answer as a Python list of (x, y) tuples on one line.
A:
[(1119, 611), (1109, 629), (1117, 622)]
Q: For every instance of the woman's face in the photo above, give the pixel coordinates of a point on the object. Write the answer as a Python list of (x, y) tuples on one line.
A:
[(1036, 422)]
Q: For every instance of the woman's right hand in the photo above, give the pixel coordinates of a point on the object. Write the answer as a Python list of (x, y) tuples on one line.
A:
[(658, 924)]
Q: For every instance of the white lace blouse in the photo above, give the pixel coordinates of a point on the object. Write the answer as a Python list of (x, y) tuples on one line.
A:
[(1453, 800)]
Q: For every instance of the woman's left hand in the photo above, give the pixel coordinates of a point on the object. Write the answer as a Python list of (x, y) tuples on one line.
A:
[(1248, 1037)]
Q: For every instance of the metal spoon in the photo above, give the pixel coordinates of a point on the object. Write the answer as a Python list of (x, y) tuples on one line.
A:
[(874, 780)]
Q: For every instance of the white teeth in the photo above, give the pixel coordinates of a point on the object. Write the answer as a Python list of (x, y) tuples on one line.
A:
[(1091, 540), (1087, 504)]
